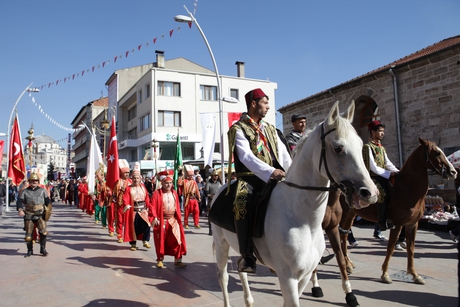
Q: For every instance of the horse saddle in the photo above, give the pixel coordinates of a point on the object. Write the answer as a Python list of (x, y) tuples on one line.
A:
[(221, 212)]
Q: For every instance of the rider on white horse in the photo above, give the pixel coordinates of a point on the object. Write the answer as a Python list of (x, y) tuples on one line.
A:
[(259, 156)]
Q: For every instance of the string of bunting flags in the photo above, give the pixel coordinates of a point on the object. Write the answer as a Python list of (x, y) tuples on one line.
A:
[(92, 69), (52, 120), (114, 59)]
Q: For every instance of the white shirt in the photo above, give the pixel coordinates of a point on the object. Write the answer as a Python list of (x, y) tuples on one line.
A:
[(383, 172), (255, 165)]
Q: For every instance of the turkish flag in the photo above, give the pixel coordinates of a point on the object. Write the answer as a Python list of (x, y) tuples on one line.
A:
[(16, 164), (233, 117), (113, 171), (2, 144)]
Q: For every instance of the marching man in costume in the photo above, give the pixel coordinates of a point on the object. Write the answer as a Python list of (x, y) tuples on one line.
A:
[(120, 187), (191, 198), (100, 202), (82, 192), (138, 212), (35, 207), (168, 233)]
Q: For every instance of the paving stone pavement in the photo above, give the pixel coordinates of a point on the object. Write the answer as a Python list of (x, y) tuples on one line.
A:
[(86, 267)]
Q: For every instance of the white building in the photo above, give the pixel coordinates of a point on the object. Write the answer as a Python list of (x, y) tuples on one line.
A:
[(158, 100), (45, 151)]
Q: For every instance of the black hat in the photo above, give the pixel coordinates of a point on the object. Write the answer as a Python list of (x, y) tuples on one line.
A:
[(295, 117)]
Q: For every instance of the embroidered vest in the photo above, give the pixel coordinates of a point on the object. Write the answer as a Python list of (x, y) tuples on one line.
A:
[(251, 136), (378, 152)]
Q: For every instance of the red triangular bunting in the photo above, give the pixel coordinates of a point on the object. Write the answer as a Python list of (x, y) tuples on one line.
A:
[(171, 32)]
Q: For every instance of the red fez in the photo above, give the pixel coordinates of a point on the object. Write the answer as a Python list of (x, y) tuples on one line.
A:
[(374, 125), (254, 95), (165, 175)]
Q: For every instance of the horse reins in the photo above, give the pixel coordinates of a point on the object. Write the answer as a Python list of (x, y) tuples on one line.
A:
[(334, 185), (440, 172)]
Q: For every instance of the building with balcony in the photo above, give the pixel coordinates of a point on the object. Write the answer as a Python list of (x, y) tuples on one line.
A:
[(160, 100), (82, 137)]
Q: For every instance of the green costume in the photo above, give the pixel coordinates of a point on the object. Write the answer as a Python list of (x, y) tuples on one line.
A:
[(264, 146)]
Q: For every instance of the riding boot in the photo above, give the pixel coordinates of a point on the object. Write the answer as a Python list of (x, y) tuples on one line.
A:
[(30, 250), (247, 262), (384, 222), (43, 245)]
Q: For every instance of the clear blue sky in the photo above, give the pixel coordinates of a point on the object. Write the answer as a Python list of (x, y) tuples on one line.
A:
[(304, 46)]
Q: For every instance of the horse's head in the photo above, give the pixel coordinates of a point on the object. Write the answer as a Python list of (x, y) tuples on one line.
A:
[(437, 161), (342, 160)]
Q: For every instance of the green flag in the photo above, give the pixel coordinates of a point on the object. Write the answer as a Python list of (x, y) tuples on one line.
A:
[(177, 161)]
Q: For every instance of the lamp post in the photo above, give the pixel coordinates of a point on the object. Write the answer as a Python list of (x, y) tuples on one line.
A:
[(191, 18), (105, 124), (30, 138), (155, 154), (27, 89)]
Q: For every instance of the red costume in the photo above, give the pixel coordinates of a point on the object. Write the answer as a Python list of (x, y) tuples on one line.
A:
[(191, 202), (120, 188), (168, 232), (82, 192), (133, 200)]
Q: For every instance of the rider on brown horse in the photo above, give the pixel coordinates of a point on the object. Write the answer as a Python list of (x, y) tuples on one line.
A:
[(381, 169)]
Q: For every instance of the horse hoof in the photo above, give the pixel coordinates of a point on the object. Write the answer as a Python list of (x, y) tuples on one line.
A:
[(349, 270), (419, 280), (386, 279), (317, 292), (351, 300)]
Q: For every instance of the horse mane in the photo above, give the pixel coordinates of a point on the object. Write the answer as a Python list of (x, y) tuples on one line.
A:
[(416, 153)]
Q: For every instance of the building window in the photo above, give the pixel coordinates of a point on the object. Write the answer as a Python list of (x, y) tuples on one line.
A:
[(168, 88), (168, 150), (132, 134), (208, 92), (145, 122), (169, 119), (147, 91), (139, 96), (132, 113), (133, 155), (370, 111), (234, 93)]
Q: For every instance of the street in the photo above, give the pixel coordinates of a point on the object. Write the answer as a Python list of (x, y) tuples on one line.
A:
[(86, 267)]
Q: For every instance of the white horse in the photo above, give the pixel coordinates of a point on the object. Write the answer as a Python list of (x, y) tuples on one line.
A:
[(293, 240)]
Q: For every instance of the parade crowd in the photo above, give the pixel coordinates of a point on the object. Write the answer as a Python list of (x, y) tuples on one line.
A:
[(134, 209)]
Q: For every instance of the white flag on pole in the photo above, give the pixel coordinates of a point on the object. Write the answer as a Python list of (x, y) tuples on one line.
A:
[(208, 127), (94, 162)]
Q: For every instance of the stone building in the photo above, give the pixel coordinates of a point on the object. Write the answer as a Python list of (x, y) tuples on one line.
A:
[(415, 96)]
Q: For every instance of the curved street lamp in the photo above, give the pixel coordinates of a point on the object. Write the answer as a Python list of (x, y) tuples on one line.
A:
[(191, 18), (27, 89)]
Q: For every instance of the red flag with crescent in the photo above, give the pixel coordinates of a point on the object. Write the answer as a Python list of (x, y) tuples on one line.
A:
[(233, 117), (16, 164), (113, 171), (2, 144)]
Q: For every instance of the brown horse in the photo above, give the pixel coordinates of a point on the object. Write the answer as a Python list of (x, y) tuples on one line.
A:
[(330, 224), (407, 203)]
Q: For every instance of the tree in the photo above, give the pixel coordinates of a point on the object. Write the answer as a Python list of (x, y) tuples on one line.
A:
[(50, 171)]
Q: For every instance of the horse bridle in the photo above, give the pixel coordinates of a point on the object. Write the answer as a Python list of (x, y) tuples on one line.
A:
[(441, 171), (334, 186)]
